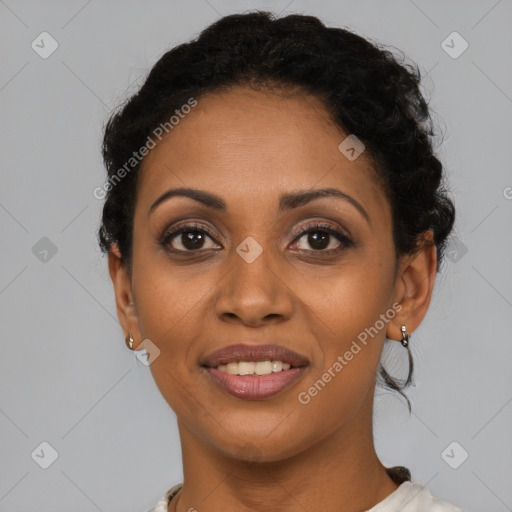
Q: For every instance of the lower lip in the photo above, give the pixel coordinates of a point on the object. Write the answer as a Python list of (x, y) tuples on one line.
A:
[(256, 387)]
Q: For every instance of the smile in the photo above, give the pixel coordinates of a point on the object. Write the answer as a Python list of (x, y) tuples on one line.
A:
[(254, 371), (253, 367)]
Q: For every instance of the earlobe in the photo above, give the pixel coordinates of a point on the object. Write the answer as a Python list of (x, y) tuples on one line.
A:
[(414, 286)]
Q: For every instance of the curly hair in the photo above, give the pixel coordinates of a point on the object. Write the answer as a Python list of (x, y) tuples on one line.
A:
[(363, 86)]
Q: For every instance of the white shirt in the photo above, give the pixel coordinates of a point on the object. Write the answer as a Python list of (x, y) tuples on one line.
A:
[(412, 497), (408, 497)]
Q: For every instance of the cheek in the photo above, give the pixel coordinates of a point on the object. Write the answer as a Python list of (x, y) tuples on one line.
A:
[(167, 292), (342, 379), (352, 295), (352, 310), (170, 307)]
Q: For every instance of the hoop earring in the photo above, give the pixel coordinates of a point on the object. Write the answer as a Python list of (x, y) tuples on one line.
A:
[(129, 341), (405, 336)]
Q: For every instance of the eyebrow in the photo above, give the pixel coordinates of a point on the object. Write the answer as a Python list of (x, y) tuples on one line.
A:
[(287, 201)]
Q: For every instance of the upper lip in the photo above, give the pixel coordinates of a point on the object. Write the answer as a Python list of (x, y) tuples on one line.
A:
[(242, 352)]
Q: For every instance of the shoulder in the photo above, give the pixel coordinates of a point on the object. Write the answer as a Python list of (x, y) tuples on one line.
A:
[(413, 497), (163, 503)]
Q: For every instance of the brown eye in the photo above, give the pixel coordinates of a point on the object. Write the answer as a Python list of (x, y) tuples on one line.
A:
[(322, 238), (319, 240), (189, 238)]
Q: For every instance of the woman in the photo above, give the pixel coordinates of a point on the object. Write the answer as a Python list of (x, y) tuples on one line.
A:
[(274, 214)]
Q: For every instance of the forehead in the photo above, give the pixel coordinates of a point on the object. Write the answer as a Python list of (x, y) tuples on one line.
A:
[(249, 146)]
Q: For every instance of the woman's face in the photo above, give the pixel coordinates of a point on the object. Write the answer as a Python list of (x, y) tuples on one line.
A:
[(259, 272)]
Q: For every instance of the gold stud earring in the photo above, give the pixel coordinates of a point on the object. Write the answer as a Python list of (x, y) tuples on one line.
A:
[(129, 341)]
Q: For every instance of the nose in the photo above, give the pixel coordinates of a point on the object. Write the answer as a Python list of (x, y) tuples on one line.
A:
[(254, 293)]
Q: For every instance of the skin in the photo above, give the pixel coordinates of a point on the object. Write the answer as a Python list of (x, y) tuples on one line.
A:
[(249, 147)]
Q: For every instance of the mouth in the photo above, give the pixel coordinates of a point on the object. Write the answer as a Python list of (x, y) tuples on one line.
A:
[(255, 372)]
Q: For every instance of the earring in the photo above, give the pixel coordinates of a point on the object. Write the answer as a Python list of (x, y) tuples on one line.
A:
[(405, 336), (129, 341)]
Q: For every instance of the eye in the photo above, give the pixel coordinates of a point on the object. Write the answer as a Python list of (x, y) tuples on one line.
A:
[(322, 238), (195, 237), (188, 238)]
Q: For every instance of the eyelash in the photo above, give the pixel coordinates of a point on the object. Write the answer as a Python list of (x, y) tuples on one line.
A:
[(304, 229)]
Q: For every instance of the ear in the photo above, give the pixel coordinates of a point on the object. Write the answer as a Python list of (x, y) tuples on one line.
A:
[(121, 280), (414, 286)]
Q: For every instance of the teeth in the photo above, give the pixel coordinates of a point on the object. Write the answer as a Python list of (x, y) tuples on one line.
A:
[(277, 366), (231, 368), (263, 368), (254, 368), (245, 368)]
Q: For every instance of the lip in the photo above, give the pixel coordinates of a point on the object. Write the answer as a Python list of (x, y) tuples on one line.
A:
[(243, 352), (256, 387)]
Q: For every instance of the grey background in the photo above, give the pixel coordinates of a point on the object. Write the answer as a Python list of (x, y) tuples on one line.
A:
[(66, 376)]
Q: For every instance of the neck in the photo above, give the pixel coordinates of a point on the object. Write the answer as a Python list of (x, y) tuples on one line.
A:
[(341, 472)]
